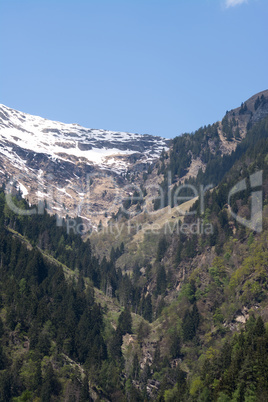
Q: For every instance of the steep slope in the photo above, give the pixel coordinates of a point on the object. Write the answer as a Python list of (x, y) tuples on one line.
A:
[(87, 172), (191, 153), (198, 159), (207, 295), (60, 161), (194, 324), (203, 157), (73, 143)]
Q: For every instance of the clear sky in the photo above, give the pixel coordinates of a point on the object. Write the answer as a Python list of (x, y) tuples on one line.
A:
[(161, 67)]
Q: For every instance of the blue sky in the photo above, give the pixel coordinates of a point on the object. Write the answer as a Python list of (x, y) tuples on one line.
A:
[(161, 67)]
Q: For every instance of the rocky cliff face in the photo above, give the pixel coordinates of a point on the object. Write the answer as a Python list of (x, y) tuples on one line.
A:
[(79, 171)]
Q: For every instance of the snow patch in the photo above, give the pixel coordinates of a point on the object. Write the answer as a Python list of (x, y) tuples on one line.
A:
[(23, 190), (66, 141)]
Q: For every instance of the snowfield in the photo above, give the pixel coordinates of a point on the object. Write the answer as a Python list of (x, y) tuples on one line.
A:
[(71, 142)]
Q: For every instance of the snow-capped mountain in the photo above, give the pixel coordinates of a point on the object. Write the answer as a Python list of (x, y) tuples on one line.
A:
[(73, 143), (53, 160)]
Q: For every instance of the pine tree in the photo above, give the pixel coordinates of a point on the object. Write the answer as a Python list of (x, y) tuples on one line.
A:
[(161, 280), (181, 383), (175, 346), (162, 248), (148, 308), (259, 327), (125, 322), (84, 396), (135, 367), (190, 323), (50, 386)]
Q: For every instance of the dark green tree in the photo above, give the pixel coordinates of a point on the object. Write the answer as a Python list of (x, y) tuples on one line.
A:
[(162, 248), (161, 280), (125, 322)]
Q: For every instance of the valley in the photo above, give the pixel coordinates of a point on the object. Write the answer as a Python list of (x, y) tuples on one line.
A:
[(142, 273)]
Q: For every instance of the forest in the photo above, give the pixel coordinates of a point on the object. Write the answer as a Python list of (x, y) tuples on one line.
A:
[(146, 341)]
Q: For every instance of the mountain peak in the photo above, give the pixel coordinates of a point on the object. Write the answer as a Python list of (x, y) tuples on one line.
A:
[(53, 160), (73, 143)]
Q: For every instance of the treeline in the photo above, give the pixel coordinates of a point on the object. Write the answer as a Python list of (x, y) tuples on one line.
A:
[(219, 166), (216, 164), (188, 146), (71, 250), (43, 232)]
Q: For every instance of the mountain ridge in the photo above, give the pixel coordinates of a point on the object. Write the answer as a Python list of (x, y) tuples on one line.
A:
[(194, 324), (89, 172), (59, 140), (53, 161)]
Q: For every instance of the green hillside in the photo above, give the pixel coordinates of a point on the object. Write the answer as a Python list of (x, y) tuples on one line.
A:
[(176, 315)]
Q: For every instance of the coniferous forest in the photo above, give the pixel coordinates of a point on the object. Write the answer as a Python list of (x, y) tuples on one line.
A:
[(190, 324)]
